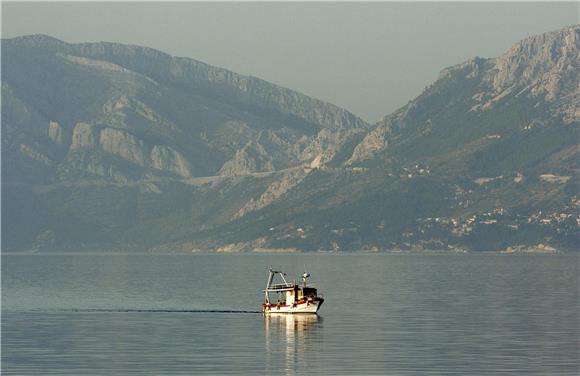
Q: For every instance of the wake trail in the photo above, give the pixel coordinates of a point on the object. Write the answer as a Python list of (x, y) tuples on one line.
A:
[(145, 310)]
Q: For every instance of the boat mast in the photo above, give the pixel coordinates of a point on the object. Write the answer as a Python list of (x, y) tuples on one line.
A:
[(284, 279), (270, 278)]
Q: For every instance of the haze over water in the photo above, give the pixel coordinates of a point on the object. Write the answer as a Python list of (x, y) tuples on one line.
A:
[(390, 314)]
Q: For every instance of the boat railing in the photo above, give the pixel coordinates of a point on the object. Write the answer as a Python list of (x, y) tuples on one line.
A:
[(279, 289)]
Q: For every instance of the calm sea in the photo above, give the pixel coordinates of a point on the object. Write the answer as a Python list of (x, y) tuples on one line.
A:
[(385, 314)]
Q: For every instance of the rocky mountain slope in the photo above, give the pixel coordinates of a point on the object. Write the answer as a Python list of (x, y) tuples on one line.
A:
[(485, 158), (120, 147), (127, 113), (532, 86)]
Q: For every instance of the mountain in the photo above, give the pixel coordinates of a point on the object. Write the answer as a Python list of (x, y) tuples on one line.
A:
[(486, 158), (107, 146), (532, 87), (125, 113)]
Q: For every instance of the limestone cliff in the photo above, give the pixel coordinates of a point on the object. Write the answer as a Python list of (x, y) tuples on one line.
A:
[(542, 69), (165, 158), (117, 104), (84, 135), (124, 145), (275, 191), (249, 159), (55, 132)]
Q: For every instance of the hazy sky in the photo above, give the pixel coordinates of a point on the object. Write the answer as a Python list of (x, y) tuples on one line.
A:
[(369, 58)]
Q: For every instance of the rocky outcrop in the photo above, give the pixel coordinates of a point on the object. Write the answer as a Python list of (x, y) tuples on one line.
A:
[(542, 66), (55, 132), (35, 155), (545, 64), (249, 159), (124, 145), (275, 191), (165, 158), (323, 147), (84, 136), (96, 64), (374, 142)]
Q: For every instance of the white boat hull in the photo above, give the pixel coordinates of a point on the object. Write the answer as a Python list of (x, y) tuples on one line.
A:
[(306, 307)]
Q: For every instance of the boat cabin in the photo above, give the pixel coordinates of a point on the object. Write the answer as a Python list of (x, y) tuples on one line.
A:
[(288, 293)]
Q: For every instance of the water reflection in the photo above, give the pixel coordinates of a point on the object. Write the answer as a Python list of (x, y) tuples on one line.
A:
[(292, 342)]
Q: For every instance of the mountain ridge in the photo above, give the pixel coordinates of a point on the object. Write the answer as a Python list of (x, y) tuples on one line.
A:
[(176, 68), (498, 78), (137, 97), (484, 159)]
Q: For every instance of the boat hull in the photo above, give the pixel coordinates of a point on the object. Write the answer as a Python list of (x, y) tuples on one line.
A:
[(304, 307)]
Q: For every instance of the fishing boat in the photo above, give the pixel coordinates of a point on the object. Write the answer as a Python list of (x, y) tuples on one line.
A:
[(285, 297)]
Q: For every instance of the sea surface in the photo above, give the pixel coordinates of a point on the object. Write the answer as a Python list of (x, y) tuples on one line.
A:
[(385, 314)]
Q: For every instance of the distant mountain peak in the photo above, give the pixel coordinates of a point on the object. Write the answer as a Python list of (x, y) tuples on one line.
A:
[(36, 40), (542, 69), (547, 63)]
